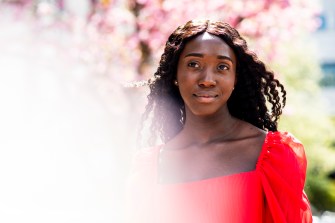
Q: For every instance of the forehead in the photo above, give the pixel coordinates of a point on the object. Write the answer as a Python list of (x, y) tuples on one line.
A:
[(208, 44)]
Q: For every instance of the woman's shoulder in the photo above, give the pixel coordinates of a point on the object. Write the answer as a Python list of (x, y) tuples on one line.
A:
[(284, 144), (283, 155), (282, 167)]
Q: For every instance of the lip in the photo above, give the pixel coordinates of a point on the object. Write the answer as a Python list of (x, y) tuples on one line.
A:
[(205, 97)]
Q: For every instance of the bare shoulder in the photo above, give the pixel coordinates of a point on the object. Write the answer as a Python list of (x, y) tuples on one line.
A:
[(248, 132), (241, 153), (250, 140)]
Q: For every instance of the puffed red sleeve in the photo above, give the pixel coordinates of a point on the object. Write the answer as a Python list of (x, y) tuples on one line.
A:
[(282, 168)]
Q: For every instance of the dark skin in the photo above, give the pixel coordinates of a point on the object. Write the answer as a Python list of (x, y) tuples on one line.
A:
[(212, 143)]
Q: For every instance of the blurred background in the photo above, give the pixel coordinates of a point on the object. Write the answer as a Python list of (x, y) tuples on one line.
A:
[(69, 108)]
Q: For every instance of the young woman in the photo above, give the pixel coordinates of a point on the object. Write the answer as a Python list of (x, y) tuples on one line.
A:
[(216, 106)]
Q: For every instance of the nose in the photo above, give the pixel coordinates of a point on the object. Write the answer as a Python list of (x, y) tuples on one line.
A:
[(207, 79)]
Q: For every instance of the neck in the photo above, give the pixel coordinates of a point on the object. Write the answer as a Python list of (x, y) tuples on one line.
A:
[(204, 129)]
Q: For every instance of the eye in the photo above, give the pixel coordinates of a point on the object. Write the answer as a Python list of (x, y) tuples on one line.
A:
[(223, 67), (193, 64)]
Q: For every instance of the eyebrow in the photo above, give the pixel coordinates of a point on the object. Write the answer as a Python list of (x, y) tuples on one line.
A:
[(201, 55)]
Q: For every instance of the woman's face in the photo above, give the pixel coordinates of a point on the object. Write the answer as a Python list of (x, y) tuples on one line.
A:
[(206, 75)]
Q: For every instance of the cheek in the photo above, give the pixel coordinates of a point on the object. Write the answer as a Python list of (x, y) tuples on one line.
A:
[(228, 79), (181, 74), (186, 80), (232, 79), (183, 91)]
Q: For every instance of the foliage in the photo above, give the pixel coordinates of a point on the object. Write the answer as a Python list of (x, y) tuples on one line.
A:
[(305, 117)]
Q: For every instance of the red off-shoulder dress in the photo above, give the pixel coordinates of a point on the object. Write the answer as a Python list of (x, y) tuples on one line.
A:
[(272, 193)]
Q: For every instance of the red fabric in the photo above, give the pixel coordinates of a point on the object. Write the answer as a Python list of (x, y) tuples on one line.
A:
[(282, 167), (272, 193)]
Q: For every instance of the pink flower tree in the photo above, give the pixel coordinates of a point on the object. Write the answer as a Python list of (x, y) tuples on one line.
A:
[(265, 23), (124, 39)]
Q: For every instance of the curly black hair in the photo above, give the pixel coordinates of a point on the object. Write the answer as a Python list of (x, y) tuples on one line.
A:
[(258, 98)]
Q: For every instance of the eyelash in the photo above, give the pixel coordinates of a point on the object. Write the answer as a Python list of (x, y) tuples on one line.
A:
[(225, 67), (194, 64)]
